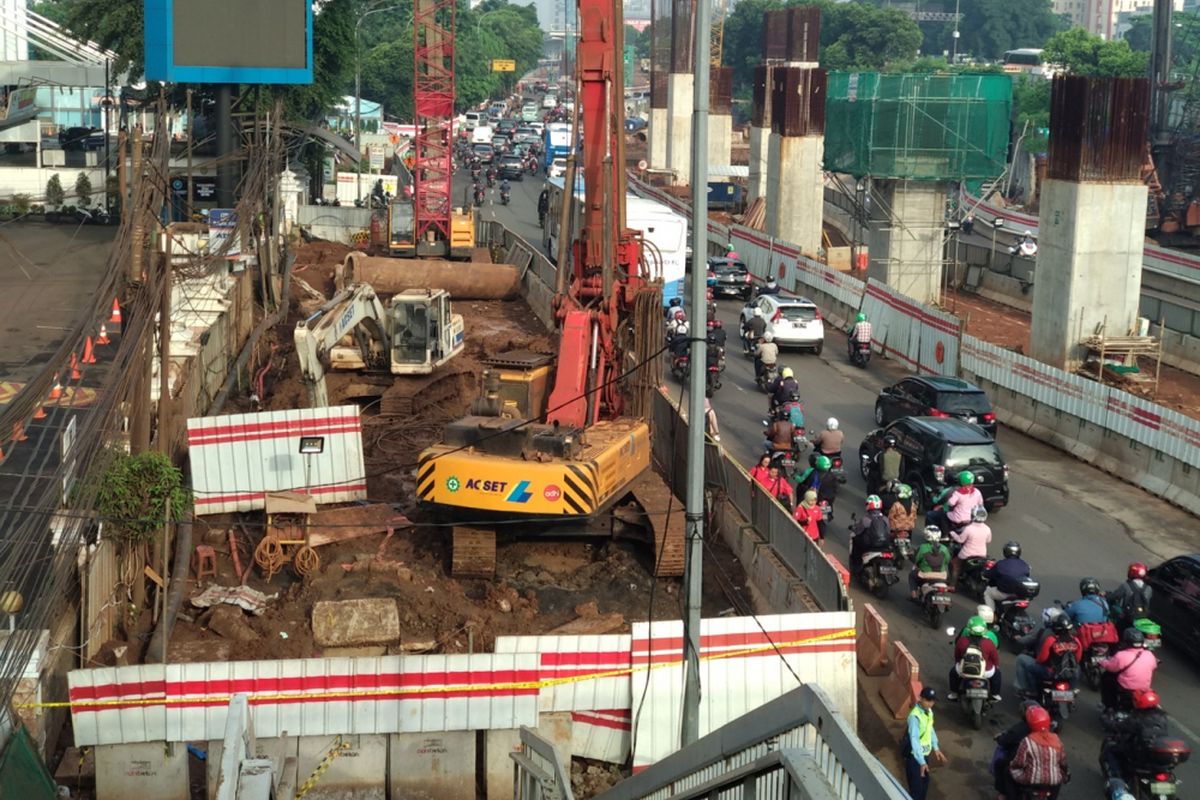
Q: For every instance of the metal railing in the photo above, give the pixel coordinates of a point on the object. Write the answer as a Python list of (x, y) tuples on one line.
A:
[(538, 774), (795, 746)]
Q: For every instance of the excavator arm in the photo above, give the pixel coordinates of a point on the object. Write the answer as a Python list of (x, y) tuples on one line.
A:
[(357, 310)]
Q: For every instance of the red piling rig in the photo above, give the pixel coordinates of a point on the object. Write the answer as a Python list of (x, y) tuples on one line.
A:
[(433, 100)]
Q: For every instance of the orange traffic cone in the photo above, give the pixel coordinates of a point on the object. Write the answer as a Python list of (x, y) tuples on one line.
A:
[(103, 337), (19, 433), (76, 375), (115, 319), (89, 357), (56, 392), (40, 413)]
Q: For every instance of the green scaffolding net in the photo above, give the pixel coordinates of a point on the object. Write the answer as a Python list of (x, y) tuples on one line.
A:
[(921, 127)]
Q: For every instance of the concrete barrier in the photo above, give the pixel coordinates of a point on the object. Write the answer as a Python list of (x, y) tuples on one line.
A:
[(903, 683), (841, 570), (433, 765), (146, 770), (872, 648)]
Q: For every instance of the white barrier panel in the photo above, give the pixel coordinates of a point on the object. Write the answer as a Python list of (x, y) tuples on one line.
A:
[(566, 661), (305, 697), (744, 663), (923, 338), (238, 458), (602, 735)]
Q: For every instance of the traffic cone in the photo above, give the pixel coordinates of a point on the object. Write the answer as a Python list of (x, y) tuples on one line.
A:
[(76, 375), (19, 433), (56, 392), (40, 413), (89, 355), (115, 319), (103, 337)]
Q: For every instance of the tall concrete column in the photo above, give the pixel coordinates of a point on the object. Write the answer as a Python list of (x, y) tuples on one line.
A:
[(760, 132), (658, 128), (720, 115), (905, 236), (680, 87), (796, 148), (1091, 225)]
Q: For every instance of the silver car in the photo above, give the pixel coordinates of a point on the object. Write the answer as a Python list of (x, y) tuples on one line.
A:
[(792, 321)]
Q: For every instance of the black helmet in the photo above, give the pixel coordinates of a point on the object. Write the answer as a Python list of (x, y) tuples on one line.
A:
[(889, 441), (1133, 637), (675, 301), (1089, 586), (1061, 625), (794, 396), (1012, 550)]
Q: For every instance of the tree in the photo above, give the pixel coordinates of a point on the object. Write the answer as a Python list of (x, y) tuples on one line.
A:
[(639, 40), (990, 27), (1080, 53), (83, 189), (55, 196), (1185, 37), (333, 62), (113, 24)]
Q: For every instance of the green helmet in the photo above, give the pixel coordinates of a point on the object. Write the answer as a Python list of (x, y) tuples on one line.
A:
[(822, 463), (976, 627), (862, 317), (966, 478), (903, 491)]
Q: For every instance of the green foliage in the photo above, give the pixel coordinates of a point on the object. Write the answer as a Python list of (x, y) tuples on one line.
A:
[(639, 40), (133, 493), (54, 191), (21, 204), (1080, 53), (1185, 36), (83, 189), (114, 24), (333, 62), (990, 27)]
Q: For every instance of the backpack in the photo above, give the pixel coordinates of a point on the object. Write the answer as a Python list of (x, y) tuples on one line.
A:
[(881, 532), (1038, 761), (1137, 607)]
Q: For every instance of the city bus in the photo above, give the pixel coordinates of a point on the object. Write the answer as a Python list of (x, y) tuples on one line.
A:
[(662, 228), (1025, 59)]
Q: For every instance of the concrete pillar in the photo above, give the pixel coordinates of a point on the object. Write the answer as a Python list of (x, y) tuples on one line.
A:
[(905, 238), (795, 150), (657, 129), (720, 116), (760, 132), (679, 125), (1091, 226)]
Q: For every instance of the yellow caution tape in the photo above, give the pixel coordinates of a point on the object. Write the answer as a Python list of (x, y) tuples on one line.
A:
[(325, 764), (351, 694)]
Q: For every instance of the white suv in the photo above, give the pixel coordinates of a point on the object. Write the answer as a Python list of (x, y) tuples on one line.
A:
[(793, 321)]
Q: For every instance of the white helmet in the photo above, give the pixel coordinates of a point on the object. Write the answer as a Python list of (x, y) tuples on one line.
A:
[(1050, 614), (985, 613), (933, 534), (681, 329), (758, 312), (768, 337), (770, 281), (1029, 233), (831, 424)]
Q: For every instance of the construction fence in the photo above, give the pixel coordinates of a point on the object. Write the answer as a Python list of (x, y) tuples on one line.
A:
[(1144, 443)]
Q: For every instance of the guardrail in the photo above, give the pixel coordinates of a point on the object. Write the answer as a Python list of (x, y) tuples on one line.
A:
[(795, 746), (538, 774)]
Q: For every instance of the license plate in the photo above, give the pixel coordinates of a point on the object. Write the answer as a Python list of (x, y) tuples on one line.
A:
[(1062, 695), (1162, 788), (977, 693), (941, 599), (1153, 644), (887, 569), (972, 420)]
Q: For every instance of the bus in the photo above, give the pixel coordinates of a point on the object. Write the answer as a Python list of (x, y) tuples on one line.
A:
[(1025, 59), (665, 230)]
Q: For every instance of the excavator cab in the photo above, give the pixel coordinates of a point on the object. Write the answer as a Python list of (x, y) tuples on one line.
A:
[(402, 239), (423, 330)]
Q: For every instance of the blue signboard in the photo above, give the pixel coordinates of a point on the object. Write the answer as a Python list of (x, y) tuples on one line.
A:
[(229, 41)]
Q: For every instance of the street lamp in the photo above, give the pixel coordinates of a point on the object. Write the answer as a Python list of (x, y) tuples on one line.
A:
[(358, 94)]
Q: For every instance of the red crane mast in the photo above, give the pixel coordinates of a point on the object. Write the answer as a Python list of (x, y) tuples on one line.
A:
[(433, 96)]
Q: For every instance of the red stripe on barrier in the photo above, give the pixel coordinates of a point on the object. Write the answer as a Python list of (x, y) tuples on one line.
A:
[(561, 660), (600, 722), (912, 310)]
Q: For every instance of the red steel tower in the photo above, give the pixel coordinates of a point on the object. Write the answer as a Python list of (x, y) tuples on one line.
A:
[(433, 90)]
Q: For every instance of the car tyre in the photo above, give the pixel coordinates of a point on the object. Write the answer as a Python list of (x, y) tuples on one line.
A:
[(820, 346), (879, 416)]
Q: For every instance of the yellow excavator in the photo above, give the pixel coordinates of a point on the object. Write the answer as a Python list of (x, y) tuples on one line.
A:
[(552, 445)]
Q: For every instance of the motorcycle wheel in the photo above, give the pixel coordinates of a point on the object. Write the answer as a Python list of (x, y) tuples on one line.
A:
[(935, 617), (1091, 677), (977, 713), (880, 589), (1063, 711)]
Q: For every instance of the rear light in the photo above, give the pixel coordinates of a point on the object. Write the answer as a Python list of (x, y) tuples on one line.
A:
[(935, 412), (746, 277), (988, 417), (885, 555), (778, 315), (989, 563), (941, 589), (939, 473), (1162, 776), (1022, 604), (1061, 686), (818, 317), (1005, 468)]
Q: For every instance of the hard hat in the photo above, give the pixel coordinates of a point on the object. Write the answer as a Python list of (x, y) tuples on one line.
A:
[(979, 514), (1037, 718), (768, 337), (786, 372), (966, 478), (831, 424), (874, 503), (1136, 571), (933, 533), (903, 491), (861, 317), (976, 627), (758, 312), (822, 464)]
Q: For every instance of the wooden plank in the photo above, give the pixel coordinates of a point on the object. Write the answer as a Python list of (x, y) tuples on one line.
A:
[(351, 522)]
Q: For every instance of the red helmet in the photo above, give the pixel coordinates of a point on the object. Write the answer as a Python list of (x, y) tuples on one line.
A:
[(1137, 570), (1146, 698), (1037, 718)]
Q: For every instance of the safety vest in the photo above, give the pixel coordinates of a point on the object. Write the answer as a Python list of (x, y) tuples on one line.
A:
[(924, 728)]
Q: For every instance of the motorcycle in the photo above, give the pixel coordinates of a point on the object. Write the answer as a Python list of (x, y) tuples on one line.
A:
[(681, 366), (768, 374), (933, 593), (1149, 773), (712, 378), (491, 179), (974, 694), (970, 577), (836, 467), (1012, 613), (1098, 640), (479, 196), (1056, 696), (505, 196), (902, 549), (877, 572), (860, 354)]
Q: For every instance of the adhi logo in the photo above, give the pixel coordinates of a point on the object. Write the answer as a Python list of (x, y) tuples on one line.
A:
[(520, 493), (552, 493)]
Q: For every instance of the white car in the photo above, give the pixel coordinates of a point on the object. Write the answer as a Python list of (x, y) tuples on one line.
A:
[(549, 101), (793, 321), (558, 168)]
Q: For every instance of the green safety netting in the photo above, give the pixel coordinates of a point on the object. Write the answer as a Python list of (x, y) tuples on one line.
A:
[(923, 127)]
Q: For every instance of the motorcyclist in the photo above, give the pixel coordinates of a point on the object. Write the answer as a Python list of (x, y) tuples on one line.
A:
[(505, 189), (677, 317), (479, 195), (888, 461), (766, 354), (860, 333), (783, 387), (1091, 608), (770, 287), (543, 207), (817, 478), (931, 559), (989, 619), (679, 340), (1039, 759), (1129, 670), (973, 541), (1131, 735), (871, 532), (1131, 600), (953, 506), (1057, 651), (716, 335), (675, 304), (976, 633), (902, 516), (753, 328), (1004, 576), (1006, 747), (793, 409), (779, 435), (829, 441)]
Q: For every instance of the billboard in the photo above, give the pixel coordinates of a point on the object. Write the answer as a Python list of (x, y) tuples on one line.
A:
[(229, 41)]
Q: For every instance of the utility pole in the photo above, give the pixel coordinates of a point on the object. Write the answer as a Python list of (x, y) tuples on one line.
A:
[(694, 502)]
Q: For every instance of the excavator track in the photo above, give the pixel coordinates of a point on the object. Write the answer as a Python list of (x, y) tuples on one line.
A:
[(473, 553), (655, 500), (415, 394)]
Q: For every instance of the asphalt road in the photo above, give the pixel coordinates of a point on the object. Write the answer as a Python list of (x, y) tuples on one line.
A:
[(1072, 521)]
